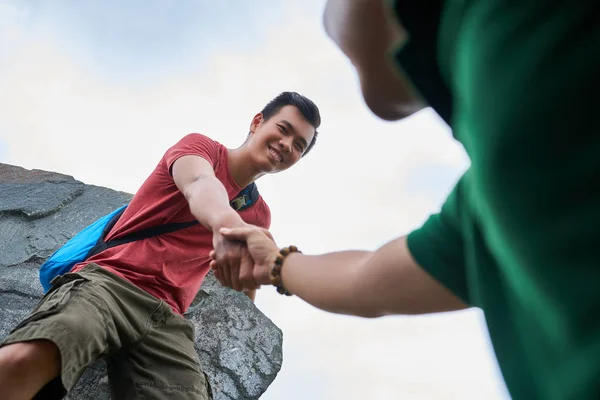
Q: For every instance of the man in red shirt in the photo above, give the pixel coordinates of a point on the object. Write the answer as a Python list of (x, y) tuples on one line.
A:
[(126, 302)]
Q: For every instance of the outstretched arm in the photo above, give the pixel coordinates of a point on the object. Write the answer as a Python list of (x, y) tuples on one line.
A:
[(363, 283), (368, 284), (209, 204)]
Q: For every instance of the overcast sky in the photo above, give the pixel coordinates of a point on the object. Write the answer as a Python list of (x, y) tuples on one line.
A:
[(100, 89)]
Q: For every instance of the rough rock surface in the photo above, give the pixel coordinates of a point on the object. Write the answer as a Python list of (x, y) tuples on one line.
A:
[(239, 347)]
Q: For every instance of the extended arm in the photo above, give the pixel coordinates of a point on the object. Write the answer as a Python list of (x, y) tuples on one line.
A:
[(367, 284), (209, 204), (363, 283)]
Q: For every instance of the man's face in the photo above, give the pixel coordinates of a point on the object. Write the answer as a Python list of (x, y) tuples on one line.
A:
[(364, 31), (279, 142)]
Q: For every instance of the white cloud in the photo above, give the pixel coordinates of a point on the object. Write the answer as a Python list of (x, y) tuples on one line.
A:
[(350, 192)]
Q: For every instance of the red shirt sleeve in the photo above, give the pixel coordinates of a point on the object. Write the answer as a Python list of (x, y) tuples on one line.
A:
[(193, 144)]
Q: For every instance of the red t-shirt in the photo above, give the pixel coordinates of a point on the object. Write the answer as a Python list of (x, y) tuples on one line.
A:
[(171, 266)]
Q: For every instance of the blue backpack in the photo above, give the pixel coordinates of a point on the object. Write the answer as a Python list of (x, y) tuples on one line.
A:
[(90, 241)]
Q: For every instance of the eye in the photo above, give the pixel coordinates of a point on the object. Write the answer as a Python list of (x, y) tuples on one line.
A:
[(282, 128), (299, 147)]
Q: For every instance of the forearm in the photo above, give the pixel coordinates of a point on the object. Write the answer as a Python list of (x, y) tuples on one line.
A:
[(327, 281), (209, 204), (367, 284)]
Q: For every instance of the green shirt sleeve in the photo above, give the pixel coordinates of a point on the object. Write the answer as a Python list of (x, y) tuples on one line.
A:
[(438, 245)]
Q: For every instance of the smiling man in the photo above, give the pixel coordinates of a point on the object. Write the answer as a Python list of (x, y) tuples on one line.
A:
[(126, 303)]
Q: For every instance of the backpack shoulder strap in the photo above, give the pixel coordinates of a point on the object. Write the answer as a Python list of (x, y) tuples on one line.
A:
[(140, 235), (244, 199), (113, 221)]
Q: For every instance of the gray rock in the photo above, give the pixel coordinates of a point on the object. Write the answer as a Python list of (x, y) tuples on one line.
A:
[(239, 347)]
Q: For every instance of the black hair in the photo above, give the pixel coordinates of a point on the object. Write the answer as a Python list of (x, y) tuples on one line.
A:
[(309, 110)]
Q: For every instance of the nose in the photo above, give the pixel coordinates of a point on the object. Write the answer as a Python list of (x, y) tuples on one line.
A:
[(286, 144)]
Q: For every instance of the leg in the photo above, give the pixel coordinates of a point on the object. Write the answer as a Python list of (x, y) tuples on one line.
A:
[(27, 367), (64, 334), (164, 365)]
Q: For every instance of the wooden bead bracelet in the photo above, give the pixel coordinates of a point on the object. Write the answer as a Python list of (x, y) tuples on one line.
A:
[(276, 269)]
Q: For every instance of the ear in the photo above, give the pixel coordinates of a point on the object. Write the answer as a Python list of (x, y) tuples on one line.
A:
[(256, 121)]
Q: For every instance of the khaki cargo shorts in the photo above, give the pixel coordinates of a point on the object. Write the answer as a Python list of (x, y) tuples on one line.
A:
[(93, 313)]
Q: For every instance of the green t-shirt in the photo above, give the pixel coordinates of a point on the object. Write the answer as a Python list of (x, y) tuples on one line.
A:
[(519, 236)]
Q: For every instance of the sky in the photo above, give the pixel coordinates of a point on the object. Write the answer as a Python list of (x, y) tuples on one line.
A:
[(100, 89)]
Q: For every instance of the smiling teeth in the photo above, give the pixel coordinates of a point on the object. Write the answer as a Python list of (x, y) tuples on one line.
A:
[(274, 153)]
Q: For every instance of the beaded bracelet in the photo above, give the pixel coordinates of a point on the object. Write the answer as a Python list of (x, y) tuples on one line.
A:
[(276, 269)]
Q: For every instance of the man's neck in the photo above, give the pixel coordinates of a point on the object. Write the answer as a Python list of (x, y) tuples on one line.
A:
[(240, 167)]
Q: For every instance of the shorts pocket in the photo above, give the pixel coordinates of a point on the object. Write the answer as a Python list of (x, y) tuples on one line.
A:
[(64, 290)]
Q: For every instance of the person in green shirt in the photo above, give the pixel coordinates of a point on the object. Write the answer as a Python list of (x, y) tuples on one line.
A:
[(518, 82)]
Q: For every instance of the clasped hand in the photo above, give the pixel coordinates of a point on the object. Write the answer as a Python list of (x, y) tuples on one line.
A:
[(242, 257)]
